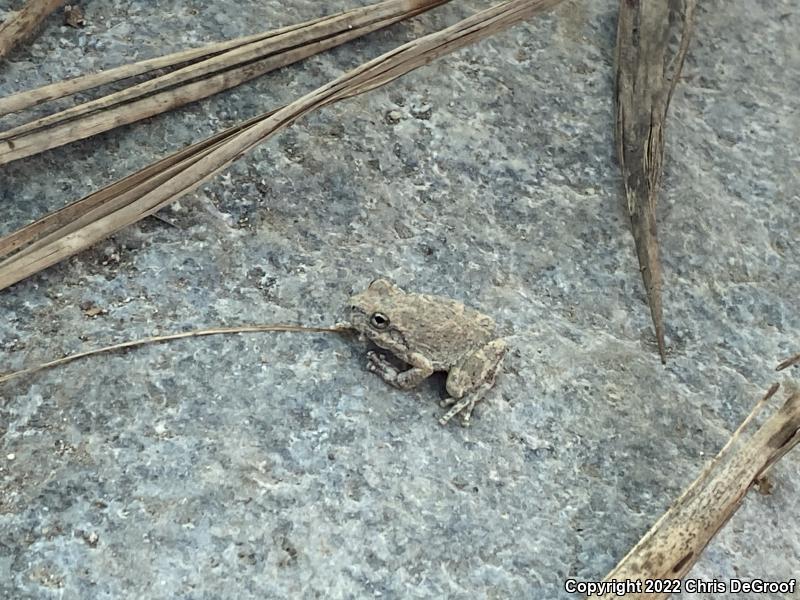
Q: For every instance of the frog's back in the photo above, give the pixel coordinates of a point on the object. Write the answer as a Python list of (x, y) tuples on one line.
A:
[(446, 329)]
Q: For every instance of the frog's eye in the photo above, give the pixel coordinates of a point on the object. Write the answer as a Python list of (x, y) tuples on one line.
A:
[(379, 320)]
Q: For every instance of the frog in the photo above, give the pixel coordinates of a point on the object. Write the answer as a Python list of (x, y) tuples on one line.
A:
[(429, 333)]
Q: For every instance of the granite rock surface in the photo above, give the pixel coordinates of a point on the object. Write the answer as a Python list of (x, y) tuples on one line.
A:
[(275, 466)]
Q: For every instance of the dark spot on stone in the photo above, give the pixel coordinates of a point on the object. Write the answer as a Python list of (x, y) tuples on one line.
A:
[(682, 563), (422, 112)]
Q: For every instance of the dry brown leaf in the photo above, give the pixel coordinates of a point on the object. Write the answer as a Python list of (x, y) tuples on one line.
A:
[(646, 78)]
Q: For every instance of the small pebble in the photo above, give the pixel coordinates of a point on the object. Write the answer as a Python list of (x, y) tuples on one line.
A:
[(393, 117)]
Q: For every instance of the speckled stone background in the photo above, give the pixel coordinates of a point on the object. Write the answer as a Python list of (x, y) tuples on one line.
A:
[(275, 466)]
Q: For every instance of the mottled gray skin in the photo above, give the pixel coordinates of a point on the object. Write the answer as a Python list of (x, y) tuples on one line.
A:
[(429, 333)]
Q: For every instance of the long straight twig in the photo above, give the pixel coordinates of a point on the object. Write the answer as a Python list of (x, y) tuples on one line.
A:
[(676, 541), (646, 78), (21, 24), (153, 188), (158, 339), (214, 73)]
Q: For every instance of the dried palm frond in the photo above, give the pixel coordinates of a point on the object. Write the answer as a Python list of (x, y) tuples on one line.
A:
[(646, 78), (199, 73), (80, 225)]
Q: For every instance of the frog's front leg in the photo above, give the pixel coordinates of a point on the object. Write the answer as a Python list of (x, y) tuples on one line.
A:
[(469, 381), (421, 369)]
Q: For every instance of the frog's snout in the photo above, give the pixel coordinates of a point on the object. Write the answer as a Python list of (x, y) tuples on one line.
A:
[(355, 313), (357, 318)]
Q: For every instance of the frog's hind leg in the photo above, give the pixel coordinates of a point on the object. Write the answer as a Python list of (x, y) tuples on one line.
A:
[(468, 383), (464, 405)]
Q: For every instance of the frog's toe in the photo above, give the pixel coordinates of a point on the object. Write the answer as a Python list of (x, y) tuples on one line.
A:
[(378, 364), (377, 357), (374, 367), (375, 361), (464, 404), (465, 419), (448, 401)]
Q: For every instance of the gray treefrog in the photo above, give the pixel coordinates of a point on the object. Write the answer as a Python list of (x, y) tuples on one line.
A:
[(429, 333)]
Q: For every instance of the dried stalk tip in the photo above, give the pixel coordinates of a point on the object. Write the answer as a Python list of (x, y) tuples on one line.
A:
[(789, 362), (646, 77)]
